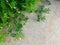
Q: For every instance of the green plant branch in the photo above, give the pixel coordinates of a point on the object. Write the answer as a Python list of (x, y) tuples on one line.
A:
[(11, 15)]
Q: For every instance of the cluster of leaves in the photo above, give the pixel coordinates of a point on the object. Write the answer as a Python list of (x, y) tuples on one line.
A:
[(41, 11), (27, 5), (9, 13), (12, 17)]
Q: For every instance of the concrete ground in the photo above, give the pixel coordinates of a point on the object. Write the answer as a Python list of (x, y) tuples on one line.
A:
[(47, 33)]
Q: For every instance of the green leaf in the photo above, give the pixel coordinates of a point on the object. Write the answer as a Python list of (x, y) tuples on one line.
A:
[(13, 35), (10, 13), (18, 25), (22, 16), (20, 34), (10, 29), (3, 36), (13, 4), (3, 5)]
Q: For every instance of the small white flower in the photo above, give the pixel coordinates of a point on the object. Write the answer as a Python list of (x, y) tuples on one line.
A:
[(19, 38)]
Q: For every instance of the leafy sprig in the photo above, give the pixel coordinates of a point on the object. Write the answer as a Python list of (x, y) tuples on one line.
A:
[(11, 16)]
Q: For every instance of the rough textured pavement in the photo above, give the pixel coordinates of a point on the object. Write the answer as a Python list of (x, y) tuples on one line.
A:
[(47, 33)]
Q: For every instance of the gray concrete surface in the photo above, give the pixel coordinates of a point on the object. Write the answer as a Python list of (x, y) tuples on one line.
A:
[(47, 33)]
